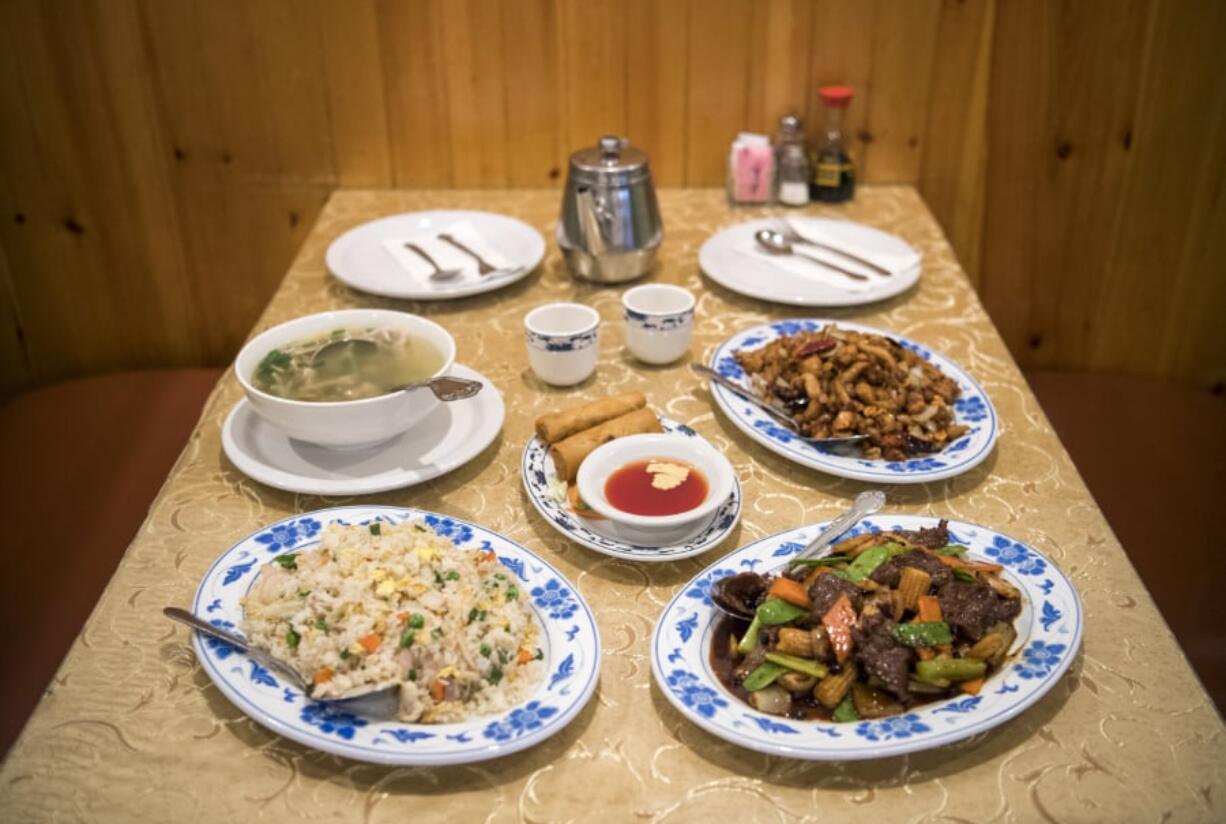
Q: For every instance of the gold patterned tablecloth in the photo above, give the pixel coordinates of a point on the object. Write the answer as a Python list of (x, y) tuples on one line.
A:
[(132, 730)]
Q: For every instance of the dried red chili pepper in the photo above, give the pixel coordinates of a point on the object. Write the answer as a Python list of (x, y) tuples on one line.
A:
[(816, 347)]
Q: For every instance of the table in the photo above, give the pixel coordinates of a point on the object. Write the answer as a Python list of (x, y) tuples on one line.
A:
[(131, 729)]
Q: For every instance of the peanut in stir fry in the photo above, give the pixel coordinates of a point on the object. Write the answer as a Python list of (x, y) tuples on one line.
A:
[(837, 383)]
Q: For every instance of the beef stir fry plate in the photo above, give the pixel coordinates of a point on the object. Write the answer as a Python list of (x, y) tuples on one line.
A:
[(839, 382), (887, 621)]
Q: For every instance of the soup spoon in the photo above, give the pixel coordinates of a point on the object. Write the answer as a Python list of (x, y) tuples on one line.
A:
[(444, 387), (778, 413), (724, 591), (377, 701), (774, 243)]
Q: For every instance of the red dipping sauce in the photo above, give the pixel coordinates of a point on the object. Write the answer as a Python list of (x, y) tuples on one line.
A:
[(634, 490)]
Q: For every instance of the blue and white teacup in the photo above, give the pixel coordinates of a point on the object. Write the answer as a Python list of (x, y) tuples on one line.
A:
[(659, 322), (563, 342)]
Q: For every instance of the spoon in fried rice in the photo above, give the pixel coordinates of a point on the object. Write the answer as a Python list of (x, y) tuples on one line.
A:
[(379, 701)]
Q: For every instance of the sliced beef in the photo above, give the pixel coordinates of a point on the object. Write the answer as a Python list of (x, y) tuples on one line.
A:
[(751, 662), (971, 608), (881, 656), (825, 591), (933, 537), (740, 593), (889, 572)]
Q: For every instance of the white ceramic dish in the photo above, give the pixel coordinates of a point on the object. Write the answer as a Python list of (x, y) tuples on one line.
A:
[(571, 644), (563, 342), (647, 530), (359, 259), (343, 424), (540, 480), (659, 322), (972, 408), (1049, 635), (722, 259), (446, 439)]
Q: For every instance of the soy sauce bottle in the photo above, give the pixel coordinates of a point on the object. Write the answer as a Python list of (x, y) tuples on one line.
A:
[(834, 179)]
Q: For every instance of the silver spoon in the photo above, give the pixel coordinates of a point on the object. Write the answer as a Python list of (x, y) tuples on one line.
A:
[(779, 414), (381, 701), (792, 236), (439, 273), (865, 504), (775, 243), (445, 387)]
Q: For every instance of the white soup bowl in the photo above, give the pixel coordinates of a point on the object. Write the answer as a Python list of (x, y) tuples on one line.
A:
[(343, 424)]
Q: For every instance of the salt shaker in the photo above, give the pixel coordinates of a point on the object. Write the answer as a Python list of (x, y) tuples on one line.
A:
[(792, 162)]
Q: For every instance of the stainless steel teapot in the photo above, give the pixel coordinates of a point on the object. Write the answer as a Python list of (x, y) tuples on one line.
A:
[(610, 225)]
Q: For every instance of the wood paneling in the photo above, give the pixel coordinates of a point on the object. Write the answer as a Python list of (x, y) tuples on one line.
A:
[(161, 160), (1103, 238)]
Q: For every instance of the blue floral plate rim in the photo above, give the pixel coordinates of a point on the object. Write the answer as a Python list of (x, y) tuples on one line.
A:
[(533, 470), (1050, 631), (570, 631), (973, 407)]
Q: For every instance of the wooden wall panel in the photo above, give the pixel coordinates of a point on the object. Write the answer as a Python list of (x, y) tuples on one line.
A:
[(1105, 168), (171, 154)]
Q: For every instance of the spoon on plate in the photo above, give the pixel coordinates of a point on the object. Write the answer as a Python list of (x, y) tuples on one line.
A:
[(724, 592), (376, 701), (439, 272), (775, 243), (444, 387), (778, 413)]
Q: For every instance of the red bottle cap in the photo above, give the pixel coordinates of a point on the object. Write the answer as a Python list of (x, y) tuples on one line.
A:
[(837, 96)]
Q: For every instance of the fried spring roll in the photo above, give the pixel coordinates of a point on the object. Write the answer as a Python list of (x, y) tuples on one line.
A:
[(569, 453), (554, 426)]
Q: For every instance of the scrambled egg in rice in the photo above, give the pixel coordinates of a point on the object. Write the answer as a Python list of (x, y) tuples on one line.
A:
[(383, 604)]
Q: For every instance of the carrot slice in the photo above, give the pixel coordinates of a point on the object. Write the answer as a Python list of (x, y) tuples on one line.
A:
[(838, 621), (814, 575), (524, 656), (370, 642), (323, 676), (972, 687), (403, 616), (928, 608), (438, 689), (791, 591), (489, 555)]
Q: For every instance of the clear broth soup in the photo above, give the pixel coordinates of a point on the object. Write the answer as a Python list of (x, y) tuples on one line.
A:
[(346, 365)]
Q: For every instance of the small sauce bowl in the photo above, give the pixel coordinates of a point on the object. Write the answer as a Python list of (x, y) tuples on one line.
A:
[(655, 530)]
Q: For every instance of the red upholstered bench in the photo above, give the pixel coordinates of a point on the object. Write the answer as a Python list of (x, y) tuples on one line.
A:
[(1154, 456), (82, 461)]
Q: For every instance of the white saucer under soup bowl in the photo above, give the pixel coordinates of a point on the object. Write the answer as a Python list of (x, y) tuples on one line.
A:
[(356, 424), (655, 530)]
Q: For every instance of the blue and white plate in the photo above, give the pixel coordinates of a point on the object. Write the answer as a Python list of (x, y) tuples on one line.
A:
[(973, 408), (536, 469), (571, 646), (1049, 635)]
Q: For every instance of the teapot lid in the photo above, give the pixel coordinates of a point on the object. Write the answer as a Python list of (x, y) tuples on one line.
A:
[(611, 160)]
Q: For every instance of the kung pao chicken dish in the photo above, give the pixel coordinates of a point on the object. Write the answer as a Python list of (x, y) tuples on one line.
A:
[(836, 383), (883, 623)]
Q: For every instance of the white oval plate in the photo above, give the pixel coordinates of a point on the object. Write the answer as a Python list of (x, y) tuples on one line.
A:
[(572, 652), (446, 439), (359, 259), (757, 278), (972, 408), (1049, 635), (536, 468)]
